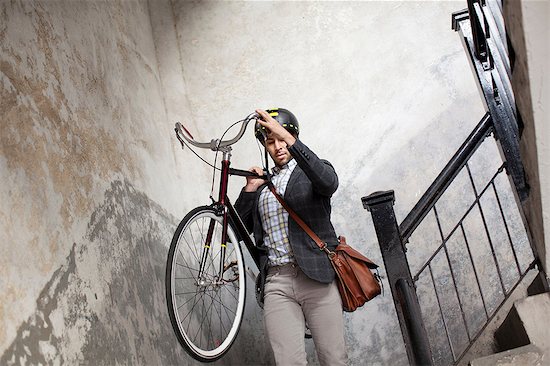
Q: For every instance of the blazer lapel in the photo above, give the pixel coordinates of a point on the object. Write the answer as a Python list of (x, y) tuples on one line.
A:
[(293, 177)]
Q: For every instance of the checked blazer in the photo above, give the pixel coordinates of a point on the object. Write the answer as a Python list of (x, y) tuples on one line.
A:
[(308, 192)]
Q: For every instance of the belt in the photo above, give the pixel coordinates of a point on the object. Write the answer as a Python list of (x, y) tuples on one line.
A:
[(282, 268)]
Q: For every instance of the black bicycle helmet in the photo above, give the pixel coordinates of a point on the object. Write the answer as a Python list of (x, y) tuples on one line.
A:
[(285, 119)]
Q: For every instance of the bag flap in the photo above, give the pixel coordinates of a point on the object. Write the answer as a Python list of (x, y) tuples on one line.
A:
[(355, 254)]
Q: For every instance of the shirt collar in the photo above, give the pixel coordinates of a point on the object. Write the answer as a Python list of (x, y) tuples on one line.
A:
[(290, 165)]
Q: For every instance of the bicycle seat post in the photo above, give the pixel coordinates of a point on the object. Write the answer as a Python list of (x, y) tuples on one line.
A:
[(224, 178)]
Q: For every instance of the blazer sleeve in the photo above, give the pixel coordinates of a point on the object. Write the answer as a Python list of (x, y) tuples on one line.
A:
[(320, 172), (245, 207)]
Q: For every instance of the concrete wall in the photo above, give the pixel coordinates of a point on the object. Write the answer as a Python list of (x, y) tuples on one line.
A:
[(527, 27), (93, 181), (89, 180)]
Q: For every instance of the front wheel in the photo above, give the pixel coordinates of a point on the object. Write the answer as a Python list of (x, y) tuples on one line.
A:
[(205, 285)]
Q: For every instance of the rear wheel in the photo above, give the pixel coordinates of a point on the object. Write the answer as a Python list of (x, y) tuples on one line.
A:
[(205, 303)]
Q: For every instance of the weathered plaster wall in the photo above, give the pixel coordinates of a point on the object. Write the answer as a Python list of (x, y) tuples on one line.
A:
[(89, 186), (527, 28), (93, 181), (104, 304)]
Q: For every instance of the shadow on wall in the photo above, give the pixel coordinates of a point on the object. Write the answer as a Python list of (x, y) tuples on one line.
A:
[(106, 304)]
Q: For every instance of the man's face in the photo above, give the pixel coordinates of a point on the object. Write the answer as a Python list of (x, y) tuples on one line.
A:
[(278, 151)]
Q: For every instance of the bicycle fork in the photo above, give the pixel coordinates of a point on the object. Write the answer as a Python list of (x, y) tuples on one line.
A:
[(208, 243)]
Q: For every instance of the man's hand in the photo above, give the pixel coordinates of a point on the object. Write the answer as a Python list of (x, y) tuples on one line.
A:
[(274, 129), (252, 183)]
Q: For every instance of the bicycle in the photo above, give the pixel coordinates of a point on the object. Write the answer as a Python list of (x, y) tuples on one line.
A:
[(205, 273)]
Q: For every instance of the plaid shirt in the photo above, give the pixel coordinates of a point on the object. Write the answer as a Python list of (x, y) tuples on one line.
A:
[(275, 218)]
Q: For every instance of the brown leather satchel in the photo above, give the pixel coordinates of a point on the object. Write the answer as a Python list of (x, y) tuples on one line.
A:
[(356, 282)]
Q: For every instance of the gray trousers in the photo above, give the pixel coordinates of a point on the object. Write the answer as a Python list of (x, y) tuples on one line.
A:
[(291, 300)]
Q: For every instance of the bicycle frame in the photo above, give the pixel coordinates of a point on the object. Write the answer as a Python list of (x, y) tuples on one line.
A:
[(224, 208)]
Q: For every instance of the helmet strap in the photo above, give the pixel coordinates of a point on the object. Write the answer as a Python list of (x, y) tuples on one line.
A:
[(266, 157)]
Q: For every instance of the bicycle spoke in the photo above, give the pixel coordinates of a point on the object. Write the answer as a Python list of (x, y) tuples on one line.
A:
[(210, 339), (187, 266), (194, 304), (191, 246), (185, 303), (220, 302), (204, 314), (222, 329), (209, 302), (232, 294), (183, 257), (184, 278)]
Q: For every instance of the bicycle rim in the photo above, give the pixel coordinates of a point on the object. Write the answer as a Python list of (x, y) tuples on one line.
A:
[(206, 312)]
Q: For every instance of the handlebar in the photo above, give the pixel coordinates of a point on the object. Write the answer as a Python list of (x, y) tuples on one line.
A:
[(246, 173), (214, 144)]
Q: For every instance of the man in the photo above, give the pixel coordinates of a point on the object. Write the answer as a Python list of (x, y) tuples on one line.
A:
[(296, 282)]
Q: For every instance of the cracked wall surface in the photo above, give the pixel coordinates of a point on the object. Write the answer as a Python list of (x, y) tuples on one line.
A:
[(94, 182), (105, 304), (82, 114)]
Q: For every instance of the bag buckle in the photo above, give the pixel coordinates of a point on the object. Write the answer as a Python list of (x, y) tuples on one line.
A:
[(324, 248)]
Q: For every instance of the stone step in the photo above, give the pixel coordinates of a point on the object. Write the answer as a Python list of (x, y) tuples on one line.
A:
[(528, 322), (524, 335), (529, 355)]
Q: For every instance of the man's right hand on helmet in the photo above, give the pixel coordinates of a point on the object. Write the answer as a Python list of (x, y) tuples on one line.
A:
[(274, 129)]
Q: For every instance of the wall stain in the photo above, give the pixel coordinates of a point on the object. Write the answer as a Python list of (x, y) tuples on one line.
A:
[(38, 328), (107, 300), (42, 128), (124, 318), (59, 146), (79, 149)]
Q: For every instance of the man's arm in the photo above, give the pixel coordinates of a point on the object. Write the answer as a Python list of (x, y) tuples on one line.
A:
[(244, 207), (320, 172), (245, 203)]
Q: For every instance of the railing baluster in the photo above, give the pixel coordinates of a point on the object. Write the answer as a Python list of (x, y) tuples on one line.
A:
[(470, 208), (506, 227), (475, 271), (442, 315), (486, 230), (452, 273)]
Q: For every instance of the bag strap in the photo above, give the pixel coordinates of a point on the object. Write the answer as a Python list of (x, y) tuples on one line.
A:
[(299, 221)]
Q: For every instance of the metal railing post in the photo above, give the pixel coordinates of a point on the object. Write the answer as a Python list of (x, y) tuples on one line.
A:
[(380, 205)]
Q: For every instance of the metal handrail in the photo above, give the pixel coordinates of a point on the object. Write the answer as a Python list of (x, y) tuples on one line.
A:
[(445, 178)]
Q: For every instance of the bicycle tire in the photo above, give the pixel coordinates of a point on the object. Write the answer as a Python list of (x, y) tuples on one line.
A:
[(205, 313)]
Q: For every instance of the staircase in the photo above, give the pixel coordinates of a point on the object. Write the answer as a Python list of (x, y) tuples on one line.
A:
[(462, 263), (523, 337)]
